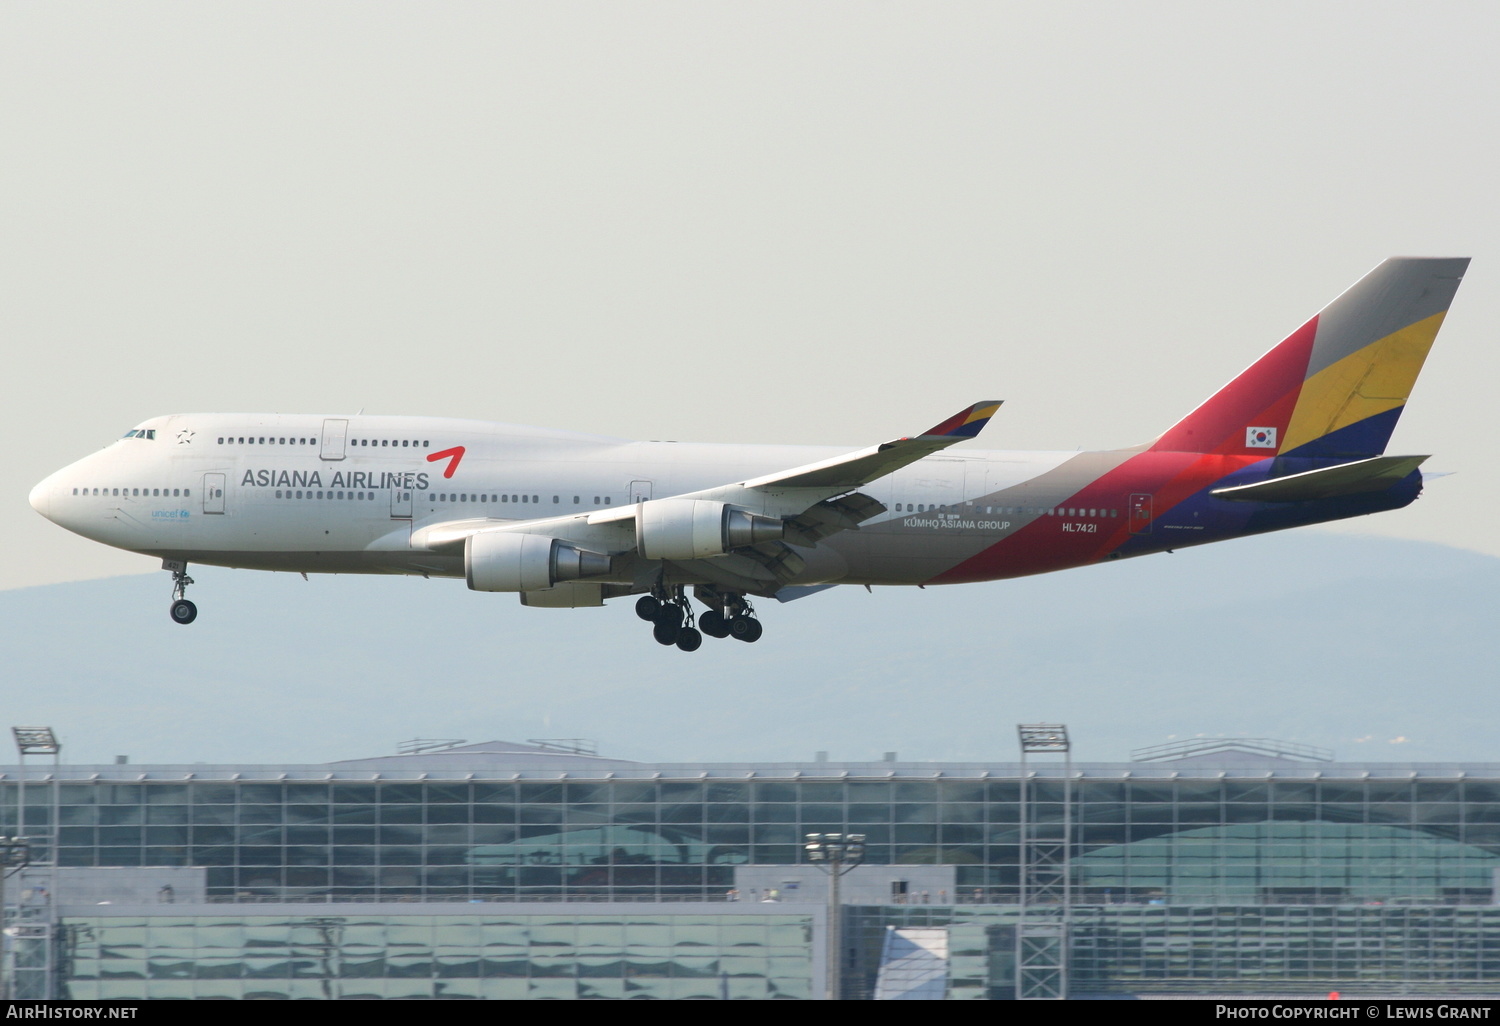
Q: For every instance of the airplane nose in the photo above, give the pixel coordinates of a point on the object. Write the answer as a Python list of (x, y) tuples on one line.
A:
[(40, 498)]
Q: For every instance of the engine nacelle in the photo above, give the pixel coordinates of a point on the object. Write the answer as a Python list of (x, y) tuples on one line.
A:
[(695, 528), (506, 561)]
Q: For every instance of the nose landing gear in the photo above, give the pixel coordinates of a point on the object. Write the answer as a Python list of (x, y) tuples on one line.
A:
[(182, 610)]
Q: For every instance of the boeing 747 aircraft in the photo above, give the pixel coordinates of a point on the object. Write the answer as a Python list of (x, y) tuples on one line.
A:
[(567, 520)]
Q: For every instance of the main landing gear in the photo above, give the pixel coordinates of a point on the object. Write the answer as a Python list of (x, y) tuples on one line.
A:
[(671, 616), (183, 611), (729, 615)]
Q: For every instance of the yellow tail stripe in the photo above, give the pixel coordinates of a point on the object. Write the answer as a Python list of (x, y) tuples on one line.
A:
[(1371, 380)]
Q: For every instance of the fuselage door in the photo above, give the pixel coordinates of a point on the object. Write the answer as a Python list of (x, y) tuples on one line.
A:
[(640, 491), (334, 434), (1140, 514), (976, 484), (400, 503), (213, 493)]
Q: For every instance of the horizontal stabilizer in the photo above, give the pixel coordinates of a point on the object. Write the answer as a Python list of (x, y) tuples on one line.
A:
[(1372, 475)]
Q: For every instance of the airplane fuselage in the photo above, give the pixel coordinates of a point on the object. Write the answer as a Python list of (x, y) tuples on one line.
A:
[(327, 494), (567, 520)]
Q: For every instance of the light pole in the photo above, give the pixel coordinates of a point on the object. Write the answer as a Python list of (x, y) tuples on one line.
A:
[(836, 854)]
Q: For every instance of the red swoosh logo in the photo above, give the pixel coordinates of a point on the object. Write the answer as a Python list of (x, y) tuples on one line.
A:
[(454, 454)]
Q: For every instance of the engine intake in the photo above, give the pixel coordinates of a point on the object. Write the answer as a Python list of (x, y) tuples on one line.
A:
[(695, 528), (506, 561)]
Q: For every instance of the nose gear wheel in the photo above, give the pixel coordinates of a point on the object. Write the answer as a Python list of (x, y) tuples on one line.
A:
[(182, 611)]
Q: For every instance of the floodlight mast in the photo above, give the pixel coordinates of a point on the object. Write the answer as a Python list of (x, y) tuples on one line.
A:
[(32, 741), (1046, 876), (835, 854), (15, 853)]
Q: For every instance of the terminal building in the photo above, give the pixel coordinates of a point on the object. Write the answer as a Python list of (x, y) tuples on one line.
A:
[(545, 870)]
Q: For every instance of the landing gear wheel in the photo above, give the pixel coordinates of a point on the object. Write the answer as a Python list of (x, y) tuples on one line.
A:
[(182, 610), (668, 612), (688, 639), (743, 628), (666, 633), (713, 624), (646, 607)]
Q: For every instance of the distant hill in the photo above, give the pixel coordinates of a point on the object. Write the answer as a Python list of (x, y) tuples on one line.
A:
[(1339, 641)]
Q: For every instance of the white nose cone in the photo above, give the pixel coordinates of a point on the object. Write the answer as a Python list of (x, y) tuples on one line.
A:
[(40, 498)]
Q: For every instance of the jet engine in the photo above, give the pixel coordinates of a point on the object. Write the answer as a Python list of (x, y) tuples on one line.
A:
[(695, 528), (506, 561)]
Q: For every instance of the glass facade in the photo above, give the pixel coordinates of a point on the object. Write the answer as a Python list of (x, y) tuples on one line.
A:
[(580, 880), (1142, 832), (1135, 949), (524, 955)]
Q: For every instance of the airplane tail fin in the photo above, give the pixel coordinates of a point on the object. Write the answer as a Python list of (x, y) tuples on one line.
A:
[(1336, 386)]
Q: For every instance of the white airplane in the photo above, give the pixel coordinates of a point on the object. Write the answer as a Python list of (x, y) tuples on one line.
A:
[(568, 520)]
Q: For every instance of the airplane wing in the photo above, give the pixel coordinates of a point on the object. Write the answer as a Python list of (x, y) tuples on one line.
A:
[(841, 474), (866, 465), (800, 506)]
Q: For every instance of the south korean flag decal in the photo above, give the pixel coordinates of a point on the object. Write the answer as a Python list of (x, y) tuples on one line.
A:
[(1260, 438)]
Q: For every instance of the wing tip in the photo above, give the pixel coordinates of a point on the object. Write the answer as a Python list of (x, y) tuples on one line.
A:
[(966, 423)]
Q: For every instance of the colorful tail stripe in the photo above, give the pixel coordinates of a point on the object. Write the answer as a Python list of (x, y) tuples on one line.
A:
[(1337, 385), (968, 423)]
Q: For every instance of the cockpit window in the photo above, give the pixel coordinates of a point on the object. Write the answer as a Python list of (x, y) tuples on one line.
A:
[(147, 433)]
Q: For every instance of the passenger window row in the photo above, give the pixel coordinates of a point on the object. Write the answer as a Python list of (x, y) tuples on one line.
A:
[(289, 494), (147, 493), (1057, 511), (487, 497), (394, 443)]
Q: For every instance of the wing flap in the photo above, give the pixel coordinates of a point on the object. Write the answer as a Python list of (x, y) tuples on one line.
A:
[(831, 516)]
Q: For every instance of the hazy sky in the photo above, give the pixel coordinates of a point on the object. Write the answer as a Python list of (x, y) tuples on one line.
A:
[(822, 222)]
